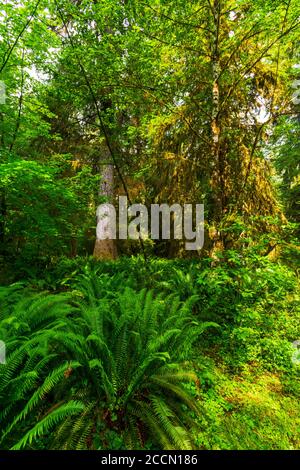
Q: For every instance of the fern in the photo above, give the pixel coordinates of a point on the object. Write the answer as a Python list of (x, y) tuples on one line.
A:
[(46, 424), (85, 364)]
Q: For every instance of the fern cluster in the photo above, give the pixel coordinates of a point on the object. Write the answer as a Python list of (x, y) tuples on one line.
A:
[(88, 363)]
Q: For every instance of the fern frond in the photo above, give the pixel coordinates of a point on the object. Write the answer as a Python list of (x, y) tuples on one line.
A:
[(46, 424)]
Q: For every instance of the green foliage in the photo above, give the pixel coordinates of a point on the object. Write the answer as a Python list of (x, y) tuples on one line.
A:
[(96, 363), (111, 354), (40, 213), (287, 161), (114, 364), (248, 411)]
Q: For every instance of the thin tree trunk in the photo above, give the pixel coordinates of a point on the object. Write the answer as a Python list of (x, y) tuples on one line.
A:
[(217, 182), (215, 121), (20, 106)]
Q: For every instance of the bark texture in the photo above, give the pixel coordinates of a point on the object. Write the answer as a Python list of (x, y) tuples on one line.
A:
[(105, 248)]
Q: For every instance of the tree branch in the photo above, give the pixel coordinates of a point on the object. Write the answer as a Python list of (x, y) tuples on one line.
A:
[(8, 54)]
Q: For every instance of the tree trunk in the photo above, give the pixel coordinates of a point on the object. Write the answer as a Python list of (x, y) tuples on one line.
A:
[(215, 118), (217, 182), (105, 247)]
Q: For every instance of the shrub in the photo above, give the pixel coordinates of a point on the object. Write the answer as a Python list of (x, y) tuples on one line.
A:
[(86, 368)]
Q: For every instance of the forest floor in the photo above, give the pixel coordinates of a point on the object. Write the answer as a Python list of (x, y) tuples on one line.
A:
[(248, 386)]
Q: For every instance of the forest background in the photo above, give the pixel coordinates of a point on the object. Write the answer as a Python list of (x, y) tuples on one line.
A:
[(142, 344)]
